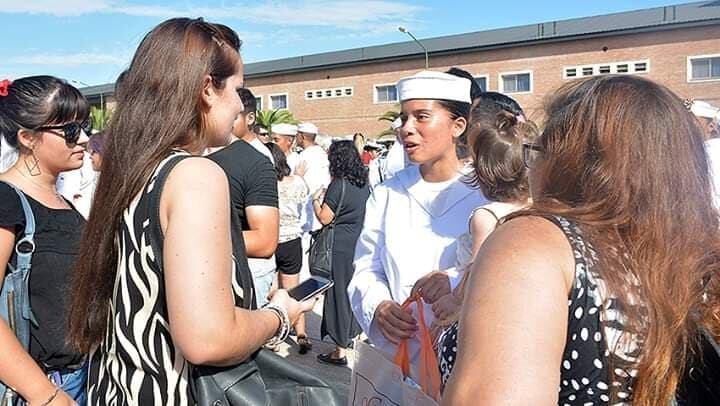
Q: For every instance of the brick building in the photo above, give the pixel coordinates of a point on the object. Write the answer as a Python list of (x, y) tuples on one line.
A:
[(346, 91)]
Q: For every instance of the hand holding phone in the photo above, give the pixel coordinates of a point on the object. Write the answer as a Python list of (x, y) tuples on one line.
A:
[(310, 288)]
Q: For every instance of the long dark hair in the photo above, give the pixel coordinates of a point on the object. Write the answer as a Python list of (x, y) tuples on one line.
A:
[(161, 108), (345, 163), (624, 159), (35, 101), (282, 169)]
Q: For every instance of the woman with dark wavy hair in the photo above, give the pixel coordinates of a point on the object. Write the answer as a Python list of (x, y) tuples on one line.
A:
[(594, 294), (344, 204)]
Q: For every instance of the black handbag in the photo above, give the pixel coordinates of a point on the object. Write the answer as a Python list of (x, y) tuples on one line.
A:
[(265, 379), (321, 244)]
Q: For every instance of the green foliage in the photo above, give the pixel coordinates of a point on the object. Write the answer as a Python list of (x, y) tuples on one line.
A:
[(266, 118), (390, 116), (100, 117)]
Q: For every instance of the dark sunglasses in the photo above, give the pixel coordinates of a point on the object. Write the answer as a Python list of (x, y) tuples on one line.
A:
[(70, 131)]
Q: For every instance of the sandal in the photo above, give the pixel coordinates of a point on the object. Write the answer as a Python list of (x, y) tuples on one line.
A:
[(329, 359), (304, 343)]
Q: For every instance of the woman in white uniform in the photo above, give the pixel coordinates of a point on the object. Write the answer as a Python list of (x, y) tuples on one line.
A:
[(413, 220)]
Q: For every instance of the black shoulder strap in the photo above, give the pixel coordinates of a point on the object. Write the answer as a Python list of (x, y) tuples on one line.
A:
[(156, 236), (340, 204)]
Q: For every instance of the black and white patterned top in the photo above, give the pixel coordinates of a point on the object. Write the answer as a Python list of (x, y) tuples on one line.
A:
[(137, 362), (595, 337)]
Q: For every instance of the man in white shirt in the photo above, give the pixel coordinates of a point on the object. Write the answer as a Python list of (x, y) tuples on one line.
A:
[(313, 166)]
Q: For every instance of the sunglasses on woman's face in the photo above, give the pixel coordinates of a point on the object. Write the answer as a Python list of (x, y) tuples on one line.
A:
[(70, 131)]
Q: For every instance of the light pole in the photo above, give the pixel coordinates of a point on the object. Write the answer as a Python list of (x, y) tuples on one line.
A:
[(405, 31), (102, 105)]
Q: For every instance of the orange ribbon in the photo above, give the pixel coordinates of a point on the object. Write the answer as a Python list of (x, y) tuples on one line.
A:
[(429, 369)]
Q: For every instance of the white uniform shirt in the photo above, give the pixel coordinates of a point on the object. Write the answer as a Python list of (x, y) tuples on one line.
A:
[(411, 228), (292, 160), (712, 146), (317, 176)]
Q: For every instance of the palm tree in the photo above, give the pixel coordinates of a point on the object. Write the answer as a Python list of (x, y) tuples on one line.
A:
[(390, 116), (100, 117), (266, 118)]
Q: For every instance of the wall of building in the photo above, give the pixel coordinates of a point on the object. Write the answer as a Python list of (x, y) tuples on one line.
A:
[(667, 52)]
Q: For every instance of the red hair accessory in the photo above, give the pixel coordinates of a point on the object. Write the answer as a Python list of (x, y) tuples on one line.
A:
[(4, 87)]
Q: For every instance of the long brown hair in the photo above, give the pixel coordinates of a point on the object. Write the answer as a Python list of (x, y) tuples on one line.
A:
[(626, 161), (160, 109)]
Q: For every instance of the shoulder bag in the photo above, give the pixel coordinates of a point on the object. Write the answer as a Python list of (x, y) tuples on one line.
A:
[(321, 244), (15, 294)]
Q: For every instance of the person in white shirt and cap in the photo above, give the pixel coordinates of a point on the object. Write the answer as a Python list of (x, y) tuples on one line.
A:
[(707, 117), (284, 136), (396, 159), (413, 220), (314, 167)]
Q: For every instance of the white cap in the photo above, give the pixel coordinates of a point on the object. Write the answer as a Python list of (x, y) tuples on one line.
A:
[(434, 86), (309, 128), (704, 109), (396, 124), (285, 129), (373, 144)]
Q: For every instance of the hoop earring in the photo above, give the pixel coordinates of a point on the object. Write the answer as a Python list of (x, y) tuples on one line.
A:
[(34, 167)]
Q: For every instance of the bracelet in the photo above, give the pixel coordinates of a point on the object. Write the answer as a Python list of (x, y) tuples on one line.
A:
[(52, 397), (284, 330)]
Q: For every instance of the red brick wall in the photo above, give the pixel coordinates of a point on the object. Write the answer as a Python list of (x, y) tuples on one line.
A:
[(667, 52)]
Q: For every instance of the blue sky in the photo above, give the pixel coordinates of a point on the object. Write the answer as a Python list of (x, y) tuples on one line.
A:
[(92, 41)]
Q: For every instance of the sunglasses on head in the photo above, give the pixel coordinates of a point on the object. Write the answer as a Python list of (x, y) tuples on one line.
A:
[(70, 131)]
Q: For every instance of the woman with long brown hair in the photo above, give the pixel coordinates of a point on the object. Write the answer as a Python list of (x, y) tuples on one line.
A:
[(157, 286), (589, 296)]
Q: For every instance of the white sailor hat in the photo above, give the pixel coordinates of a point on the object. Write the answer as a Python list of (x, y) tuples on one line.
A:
[(285, 129), (704, 109), (373, 145), (434, 86), (309, 128), (396, 124)]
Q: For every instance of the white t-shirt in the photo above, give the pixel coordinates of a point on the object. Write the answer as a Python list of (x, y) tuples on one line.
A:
[(317, 175), (78, 186), (712, 146)]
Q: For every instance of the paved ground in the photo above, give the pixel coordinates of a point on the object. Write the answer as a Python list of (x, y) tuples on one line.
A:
[(337, 376)]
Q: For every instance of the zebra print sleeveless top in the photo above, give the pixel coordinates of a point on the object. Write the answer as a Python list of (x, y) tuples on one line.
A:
[(137, 362)]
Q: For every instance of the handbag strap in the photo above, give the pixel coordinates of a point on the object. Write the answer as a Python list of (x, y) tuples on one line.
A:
[(156, 236), (25, 247), (340, 204)]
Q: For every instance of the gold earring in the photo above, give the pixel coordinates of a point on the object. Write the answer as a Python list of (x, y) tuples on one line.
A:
[(34, 167)]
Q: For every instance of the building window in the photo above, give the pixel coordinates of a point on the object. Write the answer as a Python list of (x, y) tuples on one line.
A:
[(328, 93), (258, 102), (516, 82), (632, 67), (704, 68), (482, 81), (279, 101), (386, 94)]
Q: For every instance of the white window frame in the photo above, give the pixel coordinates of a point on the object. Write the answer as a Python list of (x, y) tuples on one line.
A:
[(501, 84), (287, 100), (333, 95), (689, 68), (613, 69), (375, 93), (487, 80), (262, 102)]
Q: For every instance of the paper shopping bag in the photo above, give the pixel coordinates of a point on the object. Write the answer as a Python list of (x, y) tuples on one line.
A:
[(375, 380)]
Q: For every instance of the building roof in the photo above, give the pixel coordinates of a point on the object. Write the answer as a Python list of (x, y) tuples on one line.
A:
[(645, 20)]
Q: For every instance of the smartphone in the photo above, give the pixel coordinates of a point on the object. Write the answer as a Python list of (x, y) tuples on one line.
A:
[(310, 288)]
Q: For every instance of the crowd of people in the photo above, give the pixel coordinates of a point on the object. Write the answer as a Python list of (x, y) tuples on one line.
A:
[(570, 261)]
